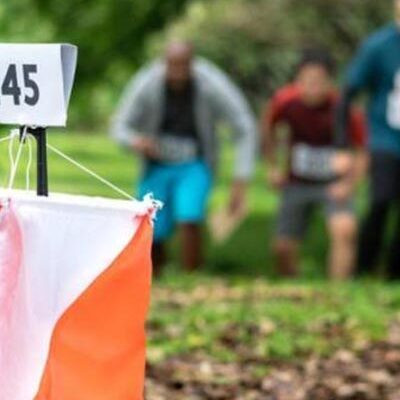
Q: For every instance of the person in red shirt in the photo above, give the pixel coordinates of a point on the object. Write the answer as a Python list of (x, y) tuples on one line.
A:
[(311, 174)]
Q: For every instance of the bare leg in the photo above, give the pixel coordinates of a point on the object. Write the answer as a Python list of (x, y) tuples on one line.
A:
[(286, 253), (343, 232), (159, 258), (191, 242)]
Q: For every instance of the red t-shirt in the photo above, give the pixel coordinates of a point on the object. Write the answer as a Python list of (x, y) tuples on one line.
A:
[(311, 137)]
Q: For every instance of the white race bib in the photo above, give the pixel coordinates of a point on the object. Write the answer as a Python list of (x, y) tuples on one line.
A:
[(174, 149), (312, 163), (393, 110)]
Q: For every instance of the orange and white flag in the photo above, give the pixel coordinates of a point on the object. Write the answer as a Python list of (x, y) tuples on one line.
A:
[(75, 276)]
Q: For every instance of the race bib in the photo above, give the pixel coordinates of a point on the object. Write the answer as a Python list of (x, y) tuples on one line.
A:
[(173, 149), (312, 163), (393, 111)]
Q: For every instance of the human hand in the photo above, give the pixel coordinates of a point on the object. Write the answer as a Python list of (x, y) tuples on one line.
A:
[(145, 146), (237, 202), (276, 178), (342, 162)]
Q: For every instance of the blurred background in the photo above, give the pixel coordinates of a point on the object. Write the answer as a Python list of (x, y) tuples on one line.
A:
[(231, 331), (255, 41)]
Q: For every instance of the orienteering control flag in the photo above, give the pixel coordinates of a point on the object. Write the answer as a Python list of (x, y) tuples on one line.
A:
[(75, 277)]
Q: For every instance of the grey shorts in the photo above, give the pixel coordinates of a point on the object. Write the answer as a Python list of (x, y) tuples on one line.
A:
[(297, 204)]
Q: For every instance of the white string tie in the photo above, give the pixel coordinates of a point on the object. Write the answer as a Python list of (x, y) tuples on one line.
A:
[(148, 200), (9, 138), (90, 172), (15, 163), (6, 138), (29, 140), (13, 135)]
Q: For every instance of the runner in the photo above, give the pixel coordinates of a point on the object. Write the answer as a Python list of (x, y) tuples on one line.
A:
[(169, 115), (376, 70), (307, 109)]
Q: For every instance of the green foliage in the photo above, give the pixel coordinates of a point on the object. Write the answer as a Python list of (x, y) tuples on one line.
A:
[(106, 31), (111, 38), (20, 21), (257, 41)]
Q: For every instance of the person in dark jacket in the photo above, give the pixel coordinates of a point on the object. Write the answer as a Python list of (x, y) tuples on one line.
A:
[(376, 71)]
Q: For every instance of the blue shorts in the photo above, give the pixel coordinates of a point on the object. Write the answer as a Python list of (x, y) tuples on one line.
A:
[(183, 188)]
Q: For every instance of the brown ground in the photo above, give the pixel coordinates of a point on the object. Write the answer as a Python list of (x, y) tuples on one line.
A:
[(369, 374)]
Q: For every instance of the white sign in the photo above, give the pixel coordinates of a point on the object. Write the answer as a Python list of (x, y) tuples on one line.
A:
[(35, 83)]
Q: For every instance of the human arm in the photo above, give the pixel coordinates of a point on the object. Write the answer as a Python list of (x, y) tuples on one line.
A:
[(231, 107), (351, 173), (132, 110), (360, 77), (272, 112), (345, 186)]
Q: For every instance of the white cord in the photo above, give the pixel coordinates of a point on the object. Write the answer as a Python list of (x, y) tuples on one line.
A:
[(13, 135), (9, 138), (6, 138), (89, 172), (14, 164), (29, 140)]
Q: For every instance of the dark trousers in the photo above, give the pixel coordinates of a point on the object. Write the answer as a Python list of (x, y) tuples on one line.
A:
[(384, 202)]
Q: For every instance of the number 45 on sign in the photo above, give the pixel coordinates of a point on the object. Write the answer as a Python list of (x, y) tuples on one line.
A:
[(36, 83), (11, 86)]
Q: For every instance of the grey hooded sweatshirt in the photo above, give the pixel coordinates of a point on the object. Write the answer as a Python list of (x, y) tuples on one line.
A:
[(217, 100)]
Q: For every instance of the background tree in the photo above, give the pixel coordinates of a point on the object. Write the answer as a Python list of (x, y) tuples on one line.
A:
[(257, 41), (111, 38)]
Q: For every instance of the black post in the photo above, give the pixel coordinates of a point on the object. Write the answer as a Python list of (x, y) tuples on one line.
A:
[(42, 175)]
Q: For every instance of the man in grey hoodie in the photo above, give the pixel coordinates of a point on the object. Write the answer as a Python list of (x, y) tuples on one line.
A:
[(169, 116)]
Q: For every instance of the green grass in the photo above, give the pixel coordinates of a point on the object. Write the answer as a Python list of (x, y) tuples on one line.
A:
[(233, 309), (103, 156), (97, 152), (245, 319)]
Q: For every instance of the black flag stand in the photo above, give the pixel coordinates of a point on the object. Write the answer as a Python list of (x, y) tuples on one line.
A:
[(42, 175)]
